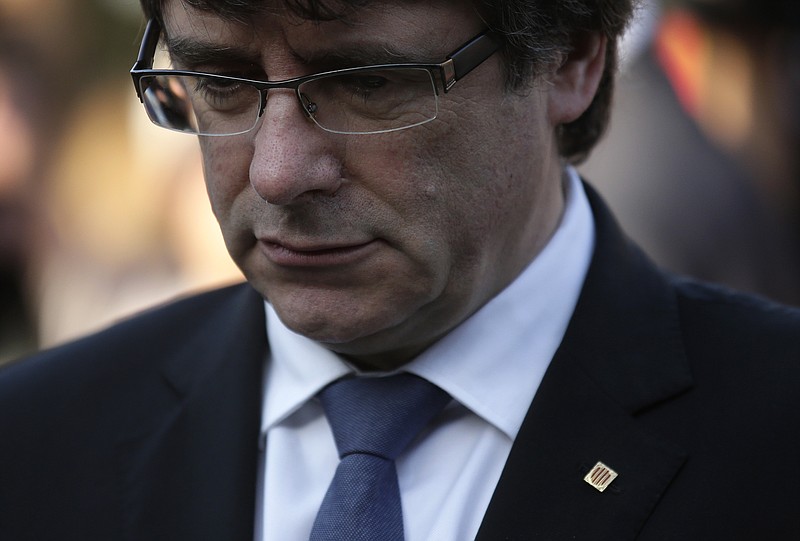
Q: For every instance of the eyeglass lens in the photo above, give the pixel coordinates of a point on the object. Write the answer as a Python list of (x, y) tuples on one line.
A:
[(358, 101)]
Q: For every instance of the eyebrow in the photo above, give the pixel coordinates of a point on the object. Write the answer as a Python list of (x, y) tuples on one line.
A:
[(349, 57), (191, 53)]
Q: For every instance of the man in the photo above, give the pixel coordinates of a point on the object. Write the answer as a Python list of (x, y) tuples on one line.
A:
[(391, 178)]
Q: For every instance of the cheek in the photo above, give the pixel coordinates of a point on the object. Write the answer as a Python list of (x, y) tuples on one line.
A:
[(447, 179), (413, 186), (432, 198), (479, 183), (226, 165)]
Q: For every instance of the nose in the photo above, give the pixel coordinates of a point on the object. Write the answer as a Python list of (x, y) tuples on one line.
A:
[(293, 159)]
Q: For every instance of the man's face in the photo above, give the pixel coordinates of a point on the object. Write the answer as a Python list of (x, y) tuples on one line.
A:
[(377, 245)]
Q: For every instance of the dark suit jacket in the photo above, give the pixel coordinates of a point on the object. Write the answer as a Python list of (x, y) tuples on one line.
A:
[(149, 430)]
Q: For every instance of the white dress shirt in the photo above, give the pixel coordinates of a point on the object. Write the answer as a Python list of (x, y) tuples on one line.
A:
[(491, 365)]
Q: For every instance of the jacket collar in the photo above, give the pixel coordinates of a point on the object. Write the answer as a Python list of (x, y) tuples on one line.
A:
[(622, 353)]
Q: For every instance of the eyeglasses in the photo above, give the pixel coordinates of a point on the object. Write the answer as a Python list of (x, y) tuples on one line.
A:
[(361, 100)]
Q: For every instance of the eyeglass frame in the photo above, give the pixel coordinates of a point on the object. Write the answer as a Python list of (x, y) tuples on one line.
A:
[(457, 65)]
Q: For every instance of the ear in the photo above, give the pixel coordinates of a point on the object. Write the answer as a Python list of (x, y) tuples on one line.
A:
[(571, 88)]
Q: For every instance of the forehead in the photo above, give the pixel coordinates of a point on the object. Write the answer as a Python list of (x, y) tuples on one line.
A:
[(425, 27)]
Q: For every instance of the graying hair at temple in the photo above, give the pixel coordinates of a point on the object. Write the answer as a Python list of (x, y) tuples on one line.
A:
[(535, 35)]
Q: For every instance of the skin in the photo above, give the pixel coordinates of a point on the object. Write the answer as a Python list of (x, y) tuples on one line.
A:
[(375, 246)]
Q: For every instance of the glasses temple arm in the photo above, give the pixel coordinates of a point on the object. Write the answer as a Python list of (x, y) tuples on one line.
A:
[(147, 50), (469, 56)]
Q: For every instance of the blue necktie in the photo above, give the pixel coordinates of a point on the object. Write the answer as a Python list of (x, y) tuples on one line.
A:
[(373, 421)]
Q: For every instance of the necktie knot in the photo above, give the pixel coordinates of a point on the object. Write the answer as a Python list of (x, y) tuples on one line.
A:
[(380, 416)]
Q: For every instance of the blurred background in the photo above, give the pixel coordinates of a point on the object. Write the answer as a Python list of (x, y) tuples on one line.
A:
[(702, 159), (103, 214)]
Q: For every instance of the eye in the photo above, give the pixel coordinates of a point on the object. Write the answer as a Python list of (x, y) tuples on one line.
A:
[(371, 82), (206, 85), (363, 86), (223, 94)]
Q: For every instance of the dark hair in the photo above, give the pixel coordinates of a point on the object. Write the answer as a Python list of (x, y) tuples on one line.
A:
[(535, 34)]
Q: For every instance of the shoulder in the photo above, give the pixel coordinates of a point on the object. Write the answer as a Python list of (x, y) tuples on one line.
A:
[(127, 348), (744, 347), (70, 415), (729, 319)]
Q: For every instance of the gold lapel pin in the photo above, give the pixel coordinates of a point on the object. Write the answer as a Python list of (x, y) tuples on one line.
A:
[(600, 476)]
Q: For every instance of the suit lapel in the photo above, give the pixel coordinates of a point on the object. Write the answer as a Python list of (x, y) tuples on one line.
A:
[(189, 469), (621, 354)]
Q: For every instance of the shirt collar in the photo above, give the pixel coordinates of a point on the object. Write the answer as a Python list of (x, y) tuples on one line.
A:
[(503, 350), (493, 362), (298, 369)]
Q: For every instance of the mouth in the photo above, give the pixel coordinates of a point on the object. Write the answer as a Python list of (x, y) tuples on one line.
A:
[(316, 255)]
